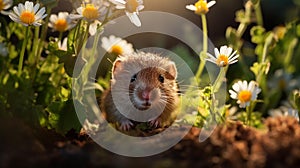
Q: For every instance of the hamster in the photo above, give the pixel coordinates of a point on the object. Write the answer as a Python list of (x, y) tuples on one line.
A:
[(141, 83)]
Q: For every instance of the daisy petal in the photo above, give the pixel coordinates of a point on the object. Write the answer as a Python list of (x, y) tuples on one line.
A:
[(140, 7), (40, 13), (233, 94), (93, 28), (53, 18), (21, 7), (233, 61), (74, 16), (16, 10), (37, 24), (191, 7), (117, 2), (27, 5), (223, 50), (244, 85), (233, 58), (228, 51), (13, 17), (79, 10), (134, 19), (210, 4), (236, 87), (36, 7), (233, 54), (217, 53)]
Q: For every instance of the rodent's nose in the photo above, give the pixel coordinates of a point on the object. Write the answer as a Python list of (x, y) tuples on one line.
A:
[(146, 95)]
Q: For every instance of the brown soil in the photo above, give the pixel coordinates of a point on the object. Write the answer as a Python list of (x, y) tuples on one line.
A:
[(233, 145)]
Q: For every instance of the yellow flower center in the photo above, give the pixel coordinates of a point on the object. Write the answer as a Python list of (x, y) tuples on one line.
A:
[(132, 5), (201, 7), (116, 49), (61, 25), (90, 12), (244, 96), (222, 61), (1, 5), (27, 17)]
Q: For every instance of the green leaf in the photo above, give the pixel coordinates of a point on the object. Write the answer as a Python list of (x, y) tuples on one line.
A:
[(65, 57), (19, 97), (69, 63), (62, 116), (50, 64)]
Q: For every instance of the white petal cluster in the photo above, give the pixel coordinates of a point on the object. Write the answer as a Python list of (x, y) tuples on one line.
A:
[(244, 93), (27, 14), (111, 43), (223, 57), (132, 8)]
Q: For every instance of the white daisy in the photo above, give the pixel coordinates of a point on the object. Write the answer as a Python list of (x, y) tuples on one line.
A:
[(116, 45), (90, 11), (201, 7), (132, 8), (93, 12), (27, 14), (5, 4), (244, 93), (61, 22), (224, 57)]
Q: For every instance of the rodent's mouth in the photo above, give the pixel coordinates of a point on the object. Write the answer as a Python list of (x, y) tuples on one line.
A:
[(147, 104), (144, 106)]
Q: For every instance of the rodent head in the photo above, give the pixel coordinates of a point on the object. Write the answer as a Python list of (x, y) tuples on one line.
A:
[(150, 80)]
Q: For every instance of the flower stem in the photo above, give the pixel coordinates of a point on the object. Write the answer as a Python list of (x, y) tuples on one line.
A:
[(289, 54), (258, 14), (83, 38), (248, 119), (218, 82), (249, 110), (43, 36), (21, 60), (36, 43), (84, 74), (60, 36), (263, 60), (202, 54)]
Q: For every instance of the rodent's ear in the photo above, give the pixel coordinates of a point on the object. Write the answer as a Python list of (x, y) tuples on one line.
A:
[(117, 67), (171, 69)]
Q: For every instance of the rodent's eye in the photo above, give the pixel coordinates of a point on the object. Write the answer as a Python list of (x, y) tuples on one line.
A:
[(161, 79), (133, 78)]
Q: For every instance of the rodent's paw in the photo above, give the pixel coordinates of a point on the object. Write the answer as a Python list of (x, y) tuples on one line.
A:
[(125, 125), (156, 123)]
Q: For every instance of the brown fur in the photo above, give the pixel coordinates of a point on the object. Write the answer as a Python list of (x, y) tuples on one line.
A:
[(148, 68)]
